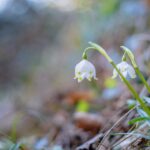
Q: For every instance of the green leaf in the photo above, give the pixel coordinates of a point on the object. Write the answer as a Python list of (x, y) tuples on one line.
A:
[(138, 119), (142, 113)]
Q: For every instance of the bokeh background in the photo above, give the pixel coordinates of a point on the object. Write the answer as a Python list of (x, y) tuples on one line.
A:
[(40, 43)]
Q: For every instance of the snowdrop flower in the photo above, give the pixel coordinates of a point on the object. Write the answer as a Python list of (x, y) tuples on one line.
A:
[(85, 70), (127, 70)]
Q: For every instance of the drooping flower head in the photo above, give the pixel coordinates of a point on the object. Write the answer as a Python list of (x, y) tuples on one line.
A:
[(127, 70), (85, 70)]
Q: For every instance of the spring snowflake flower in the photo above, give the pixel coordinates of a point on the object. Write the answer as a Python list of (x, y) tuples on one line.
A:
[(85, 70), (127, 70)]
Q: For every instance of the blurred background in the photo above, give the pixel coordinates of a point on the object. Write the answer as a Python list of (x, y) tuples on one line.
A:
[(41, 41)]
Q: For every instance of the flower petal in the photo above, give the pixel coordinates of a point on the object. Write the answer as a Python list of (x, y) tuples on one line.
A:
[(85, 69), (126, 70), (125, 74), (131, 72)]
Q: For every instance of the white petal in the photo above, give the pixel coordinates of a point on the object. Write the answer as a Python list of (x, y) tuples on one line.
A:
[(125, 74), (85, 69), (122, 64), (131, 72), (84, 66), (121, 67), (84, 75), (126, 70)]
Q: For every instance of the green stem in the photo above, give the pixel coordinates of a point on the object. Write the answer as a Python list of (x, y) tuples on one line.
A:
[(99, 49), (130, 87), (142, 78), (84, 56)]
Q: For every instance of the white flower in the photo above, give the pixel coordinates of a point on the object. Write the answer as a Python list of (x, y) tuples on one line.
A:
[(127, 70), (85, 70)]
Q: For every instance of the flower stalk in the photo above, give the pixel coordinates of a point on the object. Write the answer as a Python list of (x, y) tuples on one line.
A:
[(99, 49)]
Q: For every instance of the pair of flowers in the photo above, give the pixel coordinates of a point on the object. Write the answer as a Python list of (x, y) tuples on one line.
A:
[(86, 70)]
